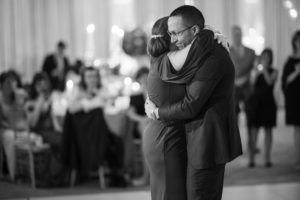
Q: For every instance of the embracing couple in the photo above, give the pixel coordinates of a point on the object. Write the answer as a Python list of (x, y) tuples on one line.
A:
[(194, 130)]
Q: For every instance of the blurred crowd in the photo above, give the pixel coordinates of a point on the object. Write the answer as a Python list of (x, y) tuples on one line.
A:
[(75, 111), (255, 80)]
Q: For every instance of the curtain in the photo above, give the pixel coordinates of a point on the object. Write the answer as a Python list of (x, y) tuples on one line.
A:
[(279, 28), (30, 29)]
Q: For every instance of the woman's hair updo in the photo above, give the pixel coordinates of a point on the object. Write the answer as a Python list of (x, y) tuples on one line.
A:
[(159, 42)]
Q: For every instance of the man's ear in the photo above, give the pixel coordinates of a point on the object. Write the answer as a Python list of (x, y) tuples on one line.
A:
[(196, 29)]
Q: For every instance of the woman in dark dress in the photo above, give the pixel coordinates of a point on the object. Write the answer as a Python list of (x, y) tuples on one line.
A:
[(264, 107), (136, 113), (43, 122), (164, 145), (156, 133), (291, 89)]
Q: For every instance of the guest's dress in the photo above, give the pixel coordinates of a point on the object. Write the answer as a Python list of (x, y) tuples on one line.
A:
[(264, 107), (137, 101), (160, 139), (291, 93), (55, 174)]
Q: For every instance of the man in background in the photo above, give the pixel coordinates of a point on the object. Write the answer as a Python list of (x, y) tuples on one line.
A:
[(55, 66), (243, 60)]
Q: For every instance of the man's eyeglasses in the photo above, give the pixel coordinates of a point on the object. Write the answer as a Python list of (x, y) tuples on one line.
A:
[(179, 33)]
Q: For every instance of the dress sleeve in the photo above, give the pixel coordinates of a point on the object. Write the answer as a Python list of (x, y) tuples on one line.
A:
[(287, 70)]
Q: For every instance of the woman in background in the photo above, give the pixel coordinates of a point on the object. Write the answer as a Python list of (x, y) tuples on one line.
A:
[(12, 115), (43, 122), (91, 94), (39, 111), (137, 114), (86, 130), (291, 89), (264, 105)]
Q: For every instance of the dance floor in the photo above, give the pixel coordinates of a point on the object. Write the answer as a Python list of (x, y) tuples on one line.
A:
[(281, 182), (286, 191)]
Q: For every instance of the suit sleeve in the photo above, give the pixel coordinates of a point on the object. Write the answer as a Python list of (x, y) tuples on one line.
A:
[(47, 65), (198, 91)]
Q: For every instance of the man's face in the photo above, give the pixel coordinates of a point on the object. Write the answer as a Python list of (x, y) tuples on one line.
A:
[(61, 51), (181, 34), (236, 35), (91, 78)]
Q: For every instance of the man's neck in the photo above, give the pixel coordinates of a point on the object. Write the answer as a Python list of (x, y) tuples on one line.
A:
[(240, 48)]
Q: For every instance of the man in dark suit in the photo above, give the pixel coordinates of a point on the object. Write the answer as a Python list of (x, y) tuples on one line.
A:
[(55, 66), (208, 108)]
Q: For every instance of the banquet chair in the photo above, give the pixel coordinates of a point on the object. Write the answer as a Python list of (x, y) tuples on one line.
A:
[(101, 175), (84, 144), (29, 156)]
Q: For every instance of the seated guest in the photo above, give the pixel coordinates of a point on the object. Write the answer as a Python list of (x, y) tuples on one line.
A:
[(87, 141), (91, 94), (40, 117), (136, 111), (43, 122), (137, 114), (12, 115)]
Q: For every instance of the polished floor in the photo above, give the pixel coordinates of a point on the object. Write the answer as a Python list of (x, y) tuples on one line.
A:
[(281, 182), (286, 191)]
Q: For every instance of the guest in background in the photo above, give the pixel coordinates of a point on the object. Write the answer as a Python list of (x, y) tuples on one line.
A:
[(12, 115), (87, 140), (40, 116), (243, 60), (43, 122), (264, 106), (78, 66), (90, 94), (291, 89), (55, 66), (137, 113)]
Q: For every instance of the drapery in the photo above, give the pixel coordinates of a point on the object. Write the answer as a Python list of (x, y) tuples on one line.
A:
[(30, 29)]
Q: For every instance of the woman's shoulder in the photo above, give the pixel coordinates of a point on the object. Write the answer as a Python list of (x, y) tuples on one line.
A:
[(159, 63), (158, 59)]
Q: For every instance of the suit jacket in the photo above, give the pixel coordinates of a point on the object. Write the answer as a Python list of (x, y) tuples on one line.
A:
[(50, 64), (212, 132)]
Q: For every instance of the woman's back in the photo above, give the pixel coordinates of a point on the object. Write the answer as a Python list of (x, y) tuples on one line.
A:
[(164, 145), (160, 92)]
